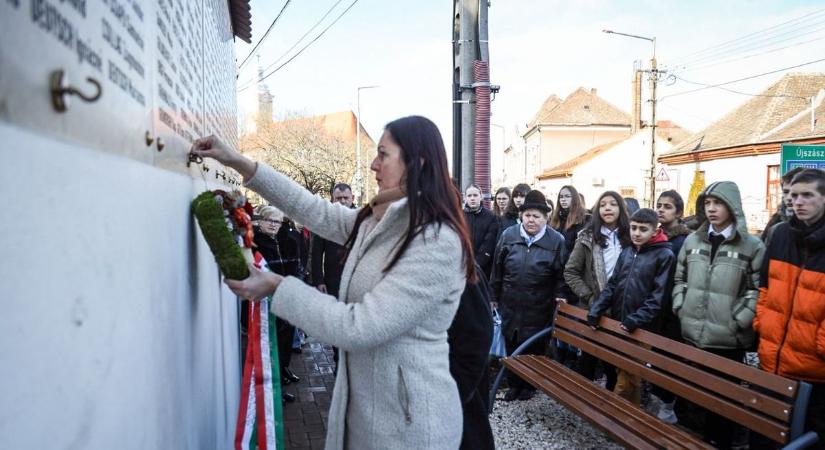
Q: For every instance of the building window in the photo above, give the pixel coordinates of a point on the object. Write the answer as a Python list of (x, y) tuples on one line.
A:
[(773, 197)]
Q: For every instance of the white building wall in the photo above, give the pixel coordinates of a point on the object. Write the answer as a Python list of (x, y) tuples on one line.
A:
[(116, 330), (622, 168), (750, 173)]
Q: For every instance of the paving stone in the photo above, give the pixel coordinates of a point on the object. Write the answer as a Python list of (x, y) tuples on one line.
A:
[(305, 421)]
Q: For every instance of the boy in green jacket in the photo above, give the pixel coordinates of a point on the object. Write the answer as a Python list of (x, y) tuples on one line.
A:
[(717, 283)]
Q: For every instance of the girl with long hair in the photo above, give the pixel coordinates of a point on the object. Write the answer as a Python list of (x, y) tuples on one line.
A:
[(511, 214), (570, 215), (501, 200), (409, 257), (592, 261)]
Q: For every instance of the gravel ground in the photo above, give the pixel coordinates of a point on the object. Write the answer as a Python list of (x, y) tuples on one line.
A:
[(541, 423)]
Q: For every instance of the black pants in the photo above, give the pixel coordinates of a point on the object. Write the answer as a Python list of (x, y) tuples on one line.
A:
[(477, 434), (511, 343), (286, 333), (718, 428), (587, 366)]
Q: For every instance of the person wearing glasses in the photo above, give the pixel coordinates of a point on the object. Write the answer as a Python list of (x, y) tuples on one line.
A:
[(281, 252)]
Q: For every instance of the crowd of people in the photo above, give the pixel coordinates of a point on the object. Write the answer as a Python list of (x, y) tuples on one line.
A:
[(704, 280), (404, 287)]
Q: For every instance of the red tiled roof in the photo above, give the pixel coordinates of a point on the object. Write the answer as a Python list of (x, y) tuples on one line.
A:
[(764, 118), (340, 124), (581, 108)]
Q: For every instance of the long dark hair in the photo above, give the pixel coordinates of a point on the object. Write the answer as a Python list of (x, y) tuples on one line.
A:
[(521, 190), (623, 225), (431, 196), (496, 209), (576, 212)]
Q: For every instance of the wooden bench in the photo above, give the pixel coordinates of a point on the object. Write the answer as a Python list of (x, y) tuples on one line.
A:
[(765, 403)]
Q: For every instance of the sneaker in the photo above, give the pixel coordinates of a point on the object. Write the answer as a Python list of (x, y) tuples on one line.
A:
[(666, 413)]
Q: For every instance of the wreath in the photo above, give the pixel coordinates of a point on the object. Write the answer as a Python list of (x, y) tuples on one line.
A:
[(225, 219)]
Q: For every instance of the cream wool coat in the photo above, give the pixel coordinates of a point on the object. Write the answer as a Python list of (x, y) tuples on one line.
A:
[(394, 388)]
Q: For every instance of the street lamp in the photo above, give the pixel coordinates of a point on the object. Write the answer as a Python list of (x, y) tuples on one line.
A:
[(654, 77), (359, 182)]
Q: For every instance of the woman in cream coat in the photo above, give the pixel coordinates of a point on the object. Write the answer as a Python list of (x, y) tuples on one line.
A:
[(409, 258)]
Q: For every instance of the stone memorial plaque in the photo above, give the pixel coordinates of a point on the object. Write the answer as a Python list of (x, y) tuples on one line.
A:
[(165, 70)]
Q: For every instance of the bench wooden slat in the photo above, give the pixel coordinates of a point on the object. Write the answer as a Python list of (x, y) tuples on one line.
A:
[(763, 425), (734, 391), (601, 421), (756, 377), (667, 436)]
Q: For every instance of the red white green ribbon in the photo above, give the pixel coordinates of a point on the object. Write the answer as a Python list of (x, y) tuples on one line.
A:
[(260, 414)]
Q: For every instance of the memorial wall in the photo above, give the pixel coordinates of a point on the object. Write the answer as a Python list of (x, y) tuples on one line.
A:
[(116, 331), (141, 79)]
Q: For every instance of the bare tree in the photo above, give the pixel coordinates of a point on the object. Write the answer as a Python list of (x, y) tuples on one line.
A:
[(305, 150)]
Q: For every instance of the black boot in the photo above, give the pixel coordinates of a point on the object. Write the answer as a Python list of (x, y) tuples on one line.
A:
[(292, 377), (288, 398)]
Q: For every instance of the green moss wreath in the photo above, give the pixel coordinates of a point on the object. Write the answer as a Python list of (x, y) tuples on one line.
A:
[(209, 211)]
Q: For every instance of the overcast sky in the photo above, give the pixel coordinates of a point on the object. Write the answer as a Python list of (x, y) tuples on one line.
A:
[(537, 48)]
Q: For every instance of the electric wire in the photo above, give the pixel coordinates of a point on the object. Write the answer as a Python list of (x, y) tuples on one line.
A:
[(307, 45), (753, 46), (257, 44), (280, 58), (728, 61), (709, 86), (738, 92), (751, 35)]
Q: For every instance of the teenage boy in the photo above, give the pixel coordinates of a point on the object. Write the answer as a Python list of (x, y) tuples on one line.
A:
[(790, 313), (634, 293), (785, 210), (715, 286)]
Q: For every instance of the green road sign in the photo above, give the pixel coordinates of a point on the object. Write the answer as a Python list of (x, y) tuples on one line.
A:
[(806, 156)]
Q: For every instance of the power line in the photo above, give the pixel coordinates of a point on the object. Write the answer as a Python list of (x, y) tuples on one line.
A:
[(738, 92), (252, 80), (727, 61), (280, 13), (756, 45), (306, 46), (750, 35), (709, 86)]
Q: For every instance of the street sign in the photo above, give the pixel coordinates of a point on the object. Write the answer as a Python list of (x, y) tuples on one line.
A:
[(805, 156), (662, 175)]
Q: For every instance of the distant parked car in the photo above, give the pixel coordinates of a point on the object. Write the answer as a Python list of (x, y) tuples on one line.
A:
[(632, 205)]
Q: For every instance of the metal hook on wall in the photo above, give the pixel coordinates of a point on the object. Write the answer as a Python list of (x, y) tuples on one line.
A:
[(60, 88)]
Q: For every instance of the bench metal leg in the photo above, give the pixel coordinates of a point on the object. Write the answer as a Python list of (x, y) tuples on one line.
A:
[(517, 352), (806, 440)]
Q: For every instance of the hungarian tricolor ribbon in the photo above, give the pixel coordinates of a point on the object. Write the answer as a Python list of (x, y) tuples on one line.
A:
[(260, 414)]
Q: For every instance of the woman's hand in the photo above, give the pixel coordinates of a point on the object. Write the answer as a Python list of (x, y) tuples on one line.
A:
[(213, 147), (255, 287)]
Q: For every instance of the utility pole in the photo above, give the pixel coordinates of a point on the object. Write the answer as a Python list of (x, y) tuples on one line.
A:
[(465, 44), (653, 78)]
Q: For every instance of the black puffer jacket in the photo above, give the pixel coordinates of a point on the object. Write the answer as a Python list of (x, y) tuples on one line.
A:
[(640, 281), (506, 221), (526, 281), (483, 226), (281, 254)]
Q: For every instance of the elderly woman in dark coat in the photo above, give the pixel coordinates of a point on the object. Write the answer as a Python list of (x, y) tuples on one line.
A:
[(527, 279)]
